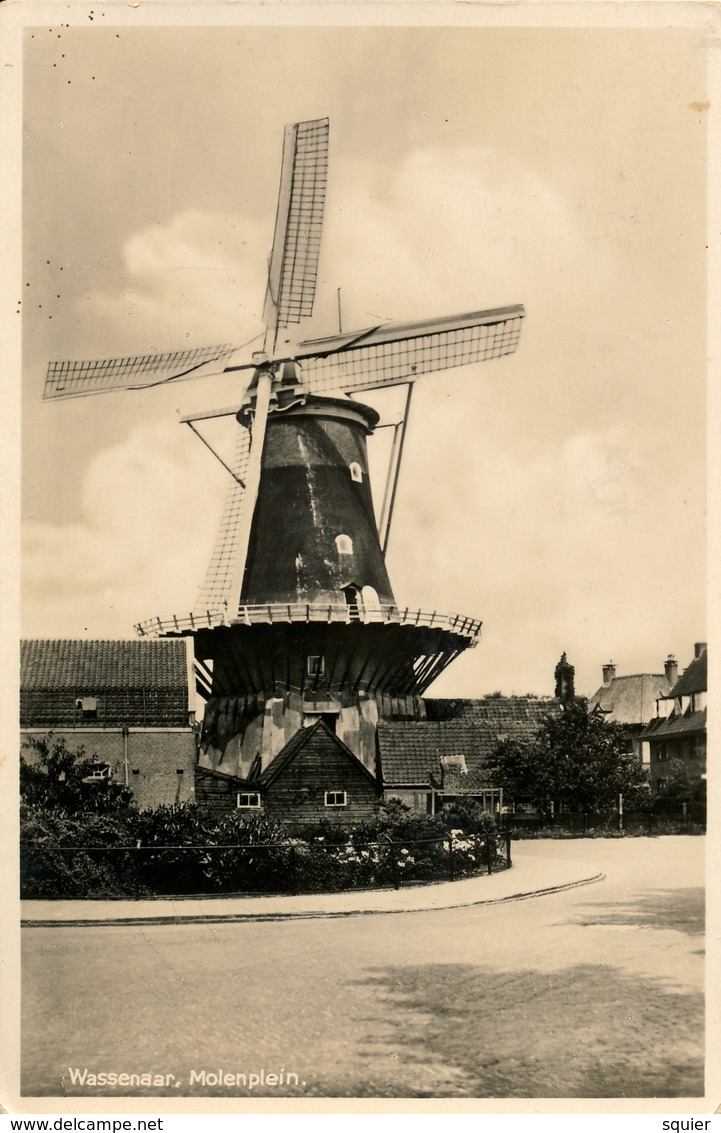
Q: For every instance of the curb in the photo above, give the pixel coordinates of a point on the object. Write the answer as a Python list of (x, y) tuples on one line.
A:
[(242, 918)]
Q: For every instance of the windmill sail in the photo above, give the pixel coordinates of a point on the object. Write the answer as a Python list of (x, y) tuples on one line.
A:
[(400, 352), (101, 375), (293, 270), (386, 355), (216, 591)]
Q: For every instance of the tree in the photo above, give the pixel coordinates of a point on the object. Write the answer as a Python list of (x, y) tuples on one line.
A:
[(57, 779), (677, 787), (574, 758)]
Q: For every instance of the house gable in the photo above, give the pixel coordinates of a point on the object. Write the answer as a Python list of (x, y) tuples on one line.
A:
[(630, 699), (317, 777)]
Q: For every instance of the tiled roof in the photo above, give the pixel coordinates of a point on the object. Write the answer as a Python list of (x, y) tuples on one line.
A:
[(223, 776), (411, 751), (138, 683), (688, 724), (104, 664), (499, 709), (632, 699), (693, 679)]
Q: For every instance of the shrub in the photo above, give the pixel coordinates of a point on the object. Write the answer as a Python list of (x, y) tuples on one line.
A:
[(58, 778), (63, 855)]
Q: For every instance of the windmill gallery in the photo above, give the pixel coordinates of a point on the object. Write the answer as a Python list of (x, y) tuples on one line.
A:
[(304, 653)]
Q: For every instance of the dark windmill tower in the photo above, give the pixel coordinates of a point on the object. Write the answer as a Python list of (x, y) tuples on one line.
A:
[(297, 620)]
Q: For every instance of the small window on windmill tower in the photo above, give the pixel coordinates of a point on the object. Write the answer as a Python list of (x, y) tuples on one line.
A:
[(315, 666), (344, 544), (88, 706), (356, 472)]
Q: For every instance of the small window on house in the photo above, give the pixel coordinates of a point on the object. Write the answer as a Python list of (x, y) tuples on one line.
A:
[(100, 772), (315, 666), (248, 800), (136, 771), (356, 472), (661, 784), (457, 761), (88, 705), (336, 798), (344, 544)]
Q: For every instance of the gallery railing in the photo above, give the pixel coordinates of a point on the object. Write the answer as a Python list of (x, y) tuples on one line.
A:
[(272, 612)]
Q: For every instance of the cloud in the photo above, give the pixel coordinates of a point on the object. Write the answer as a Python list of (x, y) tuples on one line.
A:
[(546, 493), (565, 548), (149, 509), (199, 278), (446, 230)]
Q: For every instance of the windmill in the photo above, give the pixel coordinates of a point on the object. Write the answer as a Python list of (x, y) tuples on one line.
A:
[(296, 618)]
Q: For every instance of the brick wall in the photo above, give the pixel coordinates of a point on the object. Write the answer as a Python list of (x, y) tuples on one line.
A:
[(161, 762)]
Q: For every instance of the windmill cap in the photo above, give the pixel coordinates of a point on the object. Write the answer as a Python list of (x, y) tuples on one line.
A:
[(309, 405)]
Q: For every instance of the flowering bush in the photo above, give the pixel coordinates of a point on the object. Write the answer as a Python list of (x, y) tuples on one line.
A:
[(179, 850)]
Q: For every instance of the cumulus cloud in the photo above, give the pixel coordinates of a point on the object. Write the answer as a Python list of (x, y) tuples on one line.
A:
[(554, 550), (197, 278), (533, 493), (445, 231), (149, 509)]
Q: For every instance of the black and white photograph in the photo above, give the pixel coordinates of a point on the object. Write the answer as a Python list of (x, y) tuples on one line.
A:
[(361, 391)]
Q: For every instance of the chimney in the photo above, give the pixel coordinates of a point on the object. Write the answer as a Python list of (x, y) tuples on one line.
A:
[(698, 648), (609, 672), (670, 668)]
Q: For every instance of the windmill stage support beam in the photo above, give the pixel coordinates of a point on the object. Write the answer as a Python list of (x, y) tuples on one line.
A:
[(209, 414), (217, 456), (397, 468), (252, 484)]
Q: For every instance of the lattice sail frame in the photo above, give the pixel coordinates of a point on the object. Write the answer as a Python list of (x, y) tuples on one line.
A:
[(215, 594), (401, 352), (80, 378), (293, 265)]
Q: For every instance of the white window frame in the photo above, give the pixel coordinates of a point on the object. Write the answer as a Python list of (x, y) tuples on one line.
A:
[(344, 544), (101, 772), (336, 804), (356, 472), (247, 795), (310, 670), (88, 706)]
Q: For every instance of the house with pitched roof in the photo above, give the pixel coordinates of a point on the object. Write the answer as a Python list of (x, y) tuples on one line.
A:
[(448, 757), (676, 737), (631, 700), (126, 702), (315, 776)]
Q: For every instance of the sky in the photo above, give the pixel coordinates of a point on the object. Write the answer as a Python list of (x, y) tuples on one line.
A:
[(557, 494)]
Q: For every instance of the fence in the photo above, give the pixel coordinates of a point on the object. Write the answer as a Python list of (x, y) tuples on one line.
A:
[(663, 818), (294, 866)]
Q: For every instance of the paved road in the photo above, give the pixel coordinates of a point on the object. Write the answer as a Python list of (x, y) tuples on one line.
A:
[(593, 992)]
